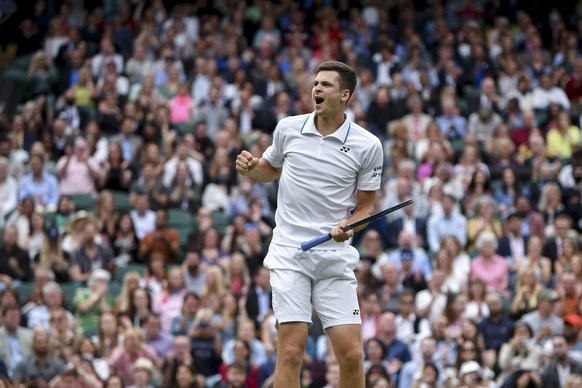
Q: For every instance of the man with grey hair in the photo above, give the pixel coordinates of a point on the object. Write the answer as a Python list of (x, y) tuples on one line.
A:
[(8, 191), (52, 297)]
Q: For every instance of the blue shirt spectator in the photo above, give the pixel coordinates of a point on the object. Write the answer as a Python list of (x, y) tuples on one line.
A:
[(41, 186)]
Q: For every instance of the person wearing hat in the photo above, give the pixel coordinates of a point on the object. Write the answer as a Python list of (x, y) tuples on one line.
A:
[(143, 371), (543, 322), (469, 373), (561, 366), (416, 258), (450, 222)]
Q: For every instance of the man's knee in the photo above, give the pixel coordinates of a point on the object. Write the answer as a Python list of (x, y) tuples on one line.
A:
[(351, 358), (290, 354)]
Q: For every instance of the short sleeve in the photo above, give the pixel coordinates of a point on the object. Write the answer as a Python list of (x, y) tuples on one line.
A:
[(370, 176), (274, 154)]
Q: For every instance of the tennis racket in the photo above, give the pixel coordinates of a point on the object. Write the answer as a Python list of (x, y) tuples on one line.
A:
[(307, 245)]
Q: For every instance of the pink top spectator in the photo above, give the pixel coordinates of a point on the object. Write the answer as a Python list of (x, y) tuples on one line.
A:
[(494, 272), (168, 305), (180, 108)]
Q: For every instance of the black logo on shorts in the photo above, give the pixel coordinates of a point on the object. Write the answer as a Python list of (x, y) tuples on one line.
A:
[(345, 149), (356, 312)]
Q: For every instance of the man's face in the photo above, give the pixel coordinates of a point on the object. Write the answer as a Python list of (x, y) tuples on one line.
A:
[(153, 326), (562, 227), (141, 377), (494, 303), (36, 165), (326, 94), (41, 344), (12, 319), (10, 236), (406, 304), (560, 347), (161, 219), (428, 348), (52, 299)]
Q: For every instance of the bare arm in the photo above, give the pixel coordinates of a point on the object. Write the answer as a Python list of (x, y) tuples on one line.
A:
[(258, 169), (364, 208)]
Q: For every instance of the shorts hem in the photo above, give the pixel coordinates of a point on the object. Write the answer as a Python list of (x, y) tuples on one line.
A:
[(339, 322), (293, 318)]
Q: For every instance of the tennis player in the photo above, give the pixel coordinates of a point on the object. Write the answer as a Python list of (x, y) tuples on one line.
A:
[(329, 169)]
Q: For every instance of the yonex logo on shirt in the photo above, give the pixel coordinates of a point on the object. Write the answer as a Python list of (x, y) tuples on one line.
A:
[(356, 312), (344, 149)]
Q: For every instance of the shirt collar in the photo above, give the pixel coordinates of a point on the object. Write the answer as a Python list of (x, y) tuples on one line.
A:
[(341, 133)]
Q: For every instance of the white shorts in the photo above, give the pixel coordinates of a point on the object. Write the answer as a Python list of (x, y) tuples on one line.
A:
[(323, 280)]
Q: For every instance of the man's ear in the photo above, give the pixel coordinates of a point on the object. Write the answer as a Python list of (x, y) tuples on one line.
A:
[(345, 95)]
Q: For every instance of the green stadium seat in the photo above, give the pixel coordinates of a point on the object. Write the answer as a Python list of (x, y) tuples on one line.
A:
[(121, 200), (184, 128), (24, 290), (83, 202), (220, 221), (179, 217)]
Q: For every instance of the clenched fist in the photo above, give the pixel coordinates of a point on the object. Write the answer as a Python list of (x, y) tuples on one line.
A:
[(245, 162)]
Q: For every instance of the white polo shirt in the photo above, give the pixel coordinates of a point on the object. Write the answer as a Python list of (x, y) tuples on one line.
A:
[(320, 177)]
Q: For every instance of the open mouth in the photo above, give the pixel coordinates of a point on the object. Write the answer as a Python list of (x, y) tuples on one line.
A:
[(319, 100)]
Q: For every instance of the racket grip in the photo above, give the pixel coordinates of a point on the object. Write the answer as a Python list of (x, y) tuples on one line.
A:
[(307, 245)]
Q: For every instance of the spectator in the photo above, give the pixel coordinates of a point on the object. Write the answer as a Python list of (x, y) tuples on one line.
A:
[(40, 365), (532, 223), (258, 298), (553, 375), (484, 220), (8, 191), (168, 303), (519, 352), (451, 123), (534, 260), (163, 240), (496, 328), (79, 173), (14, 261), (206, 345), (543, 322), (397, 352), (62, 338), (127, 354), (194, 166), (52, 297), (17, 340), (562, 137), (449, 223), (246, 332), (162, 342), (489, 266), (108, 335), (410, 328), (104, 57), (548, 93), (91, 302), (149, 183), (117, 174), (90, 255), (144, 219)]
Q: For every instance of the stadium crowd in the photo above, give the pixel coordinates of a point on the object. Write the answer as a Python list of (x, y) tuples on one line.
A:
[(131, 251)]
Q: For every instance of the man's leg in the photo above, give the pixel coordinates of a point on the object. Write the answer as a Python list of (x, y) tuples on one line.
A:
[(292, 340), (348, 348)]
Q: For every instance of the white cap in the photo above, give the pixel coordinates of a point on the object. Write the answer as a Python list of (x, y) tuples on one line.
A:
[(469, 367)]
